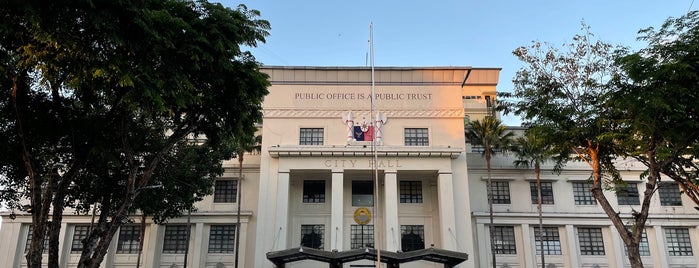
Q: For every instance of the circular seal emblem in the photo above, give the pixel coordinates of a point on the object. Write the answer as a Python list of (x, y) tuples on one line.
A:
[(362, 216)]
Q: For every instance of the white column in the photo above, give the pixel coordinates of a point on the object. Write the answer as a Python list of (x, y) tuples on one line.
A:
[(65, 246), (154, 247), (197, 247), (391, 211), (617, 254), (243, 241), (530, 258), (447, 220), (282, 219), (573, 251), (483, 244), (662, 248), (337, 211)]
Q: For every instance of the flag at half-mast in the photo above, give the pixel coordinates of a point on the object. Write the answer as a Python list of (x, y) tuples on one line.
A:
[(363, 132)]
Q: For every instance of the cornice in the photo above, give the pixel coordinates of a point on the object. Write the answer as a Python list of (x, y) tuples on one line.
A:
[(295, 113)]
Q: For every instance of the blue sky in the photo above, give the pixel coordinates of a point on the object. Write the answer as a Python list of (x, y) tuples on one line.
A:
[(443, 33)]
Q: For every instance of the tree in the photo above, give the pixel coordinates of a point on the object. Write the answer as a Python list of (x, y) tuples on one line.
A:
[(494, 137), (243, 145), (532, 150), (657, 102), (104, 101), (564, 93)]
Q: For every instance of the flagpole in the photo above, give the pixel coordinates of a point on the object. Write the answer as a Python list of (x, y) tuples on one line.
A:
[(377, 227)]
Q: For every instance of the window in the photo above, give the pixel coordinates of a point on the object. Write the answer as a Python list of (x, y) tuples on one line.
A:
[(225, 191), (488, 102), (582, 194), (643, 247), (176, 239), (669, 193), (412, 237), (362, 236), (551, 239), (362, 194), (546, 192), (222, 238), (591, 241), (501, 192), (30, 235), (311, 136), (411, 192), (314, 191), (627, 194), (312, 236), (79, 234), (504, 239), (129, 237), (416, 137), (678, 242)]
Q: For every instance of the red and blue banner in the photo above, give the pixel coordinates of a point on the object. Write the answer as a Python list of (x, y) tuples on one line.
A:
[(363, 133)]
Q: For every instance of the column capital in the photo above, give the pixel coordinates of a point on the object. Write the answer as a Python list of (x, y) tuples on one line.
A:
[(284, 171), (444, 172), (393, 172)]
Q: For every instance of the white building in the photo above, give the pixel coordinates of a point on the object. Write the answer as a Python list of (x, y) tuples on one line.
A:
[(313, 186)]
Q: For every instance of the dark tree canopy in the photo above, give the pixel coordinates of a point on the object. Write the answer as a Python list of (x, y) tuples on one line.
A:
[(603, 102), (563, 93), (105, 100), (657, 100)]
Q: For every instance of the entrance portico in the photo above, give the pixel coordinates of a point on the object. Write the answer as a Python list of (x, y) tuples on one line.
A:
[(300, 206)]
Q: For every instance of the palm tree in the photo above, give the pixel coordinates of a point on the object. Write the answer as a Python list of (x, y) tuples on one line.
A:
[(243, 145), (494, 137), (532, 150)]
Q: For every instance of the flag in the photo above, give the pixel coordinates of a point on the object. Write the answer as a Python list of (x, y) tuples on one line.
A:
[(363, 133)]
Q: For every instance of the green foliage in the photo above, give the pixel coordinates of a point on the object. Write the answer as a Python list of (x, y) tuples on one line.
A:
[(657, 100), (562, 92), (532, 149), (491, 134), (103, 100)]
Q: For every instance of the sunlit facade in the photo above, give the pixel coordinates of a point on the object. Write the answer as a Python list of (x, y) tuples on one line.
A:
[(334, 176)]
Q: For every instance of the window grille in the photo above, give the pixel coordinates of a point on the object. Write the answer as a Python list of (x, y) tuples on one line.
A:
[(411, 192), (222, 238), (416, 137), (582, 194), (311, 136)]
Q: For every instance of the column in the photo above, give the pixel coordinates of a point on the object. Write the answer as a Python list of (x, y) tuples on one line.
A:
[(662, 248), (530, 258), (447, 219), (281, 226), (573, 251), (153, 249), (483, 244), (337, 211), (198, 249), (243, 233), (392, 229), (617, 255)]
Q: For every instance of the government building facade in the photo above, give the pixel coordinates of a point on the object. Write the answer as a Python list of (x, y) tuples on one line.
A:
[(341, 174)]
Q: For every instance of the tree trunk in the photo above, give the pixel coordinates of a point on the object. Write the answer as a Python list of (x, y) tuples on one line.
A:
[(57, 216), (634, 255), (626, 236), (39, 214)]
